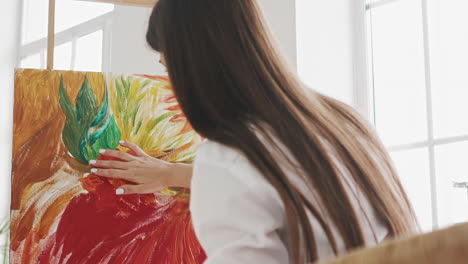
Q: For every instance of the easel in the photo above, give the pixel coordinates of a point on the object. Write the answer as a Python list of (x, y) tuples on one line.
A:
[(51, 22), (51, 35)]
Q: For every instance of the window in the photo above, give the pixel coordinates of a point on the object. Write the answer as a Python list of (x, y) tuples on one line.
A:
[(82, 35), (419, 79)]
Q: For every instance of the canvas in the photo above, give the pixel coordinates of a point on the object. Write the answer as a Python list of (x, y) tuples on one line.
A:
[(62, 214)]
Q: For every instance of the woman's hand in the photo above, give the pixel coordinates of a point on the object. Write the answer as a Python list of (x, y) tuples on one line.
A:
[(149, 174)]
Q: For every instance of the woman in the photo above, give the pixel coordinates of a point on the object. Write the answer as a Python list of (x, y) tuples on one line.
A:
[(287, 175)]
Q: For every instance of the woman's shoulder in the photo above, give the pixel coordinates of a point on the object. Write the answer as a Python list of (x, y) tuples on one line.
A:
[(233, 208), (213, 152), (232, 163)]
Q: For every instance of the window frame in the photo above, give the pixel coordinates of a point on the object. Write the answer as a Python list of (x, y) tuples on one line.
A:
[(363, 92), (102, 22), (431, 142)]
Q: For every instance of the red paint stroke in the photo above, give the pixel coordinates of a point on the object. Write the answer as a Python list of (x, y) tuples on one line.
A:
[(187, 127), (178, 118), (170, 99), (101, 227), (174, 108)]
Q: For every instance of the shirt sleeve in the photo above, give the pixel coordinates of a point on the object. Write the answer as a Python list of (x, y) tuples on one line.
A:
[(236, 220)]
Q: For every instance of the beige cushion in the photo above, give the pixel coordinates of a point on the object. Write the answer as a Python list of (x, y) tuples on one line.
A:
[(446, 246)]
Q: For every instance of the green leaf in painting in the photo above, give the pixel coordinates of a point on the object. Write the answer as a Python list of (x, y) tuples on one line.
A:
[(72, 130), (86, 104), (88, 127), (71, 136), (103, 111), (160, 118), (109, 139), (138, 126)]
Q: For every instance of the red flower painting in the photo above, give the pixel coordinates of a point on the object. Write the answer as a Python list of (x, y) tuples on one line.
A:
[(63, 214)]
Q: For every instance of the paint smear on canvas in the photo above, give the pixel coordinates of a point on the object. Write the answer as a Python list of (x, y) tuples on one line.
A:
[(62, 214)]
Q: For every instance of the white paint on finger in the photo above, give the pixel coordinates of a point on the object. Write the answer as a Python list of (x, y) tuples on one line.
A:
[(119, 191)]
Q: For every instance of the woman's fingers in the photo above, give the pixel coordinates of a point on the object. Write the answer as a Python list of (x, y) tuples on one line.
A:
[(109, 164), (112, 173), (117, 154), (137, 189), (133, 147)]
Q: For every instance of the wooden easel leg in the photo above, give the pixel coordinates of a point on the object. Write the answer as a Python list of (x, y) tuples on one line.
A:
[(51, 35)]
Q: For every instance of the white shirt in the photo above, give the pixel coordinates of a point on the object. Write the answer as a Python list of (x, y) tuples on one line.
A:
[(239, 217)]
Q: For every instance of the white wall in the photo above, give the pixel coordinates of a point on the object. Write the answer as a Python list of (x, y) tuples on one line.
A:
[(9, 30), (281, 17), (325, 46), (130, 53)]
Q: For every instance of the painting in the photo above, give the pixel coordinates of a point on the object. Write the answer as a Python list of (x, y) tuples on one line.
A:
[(60, 213)]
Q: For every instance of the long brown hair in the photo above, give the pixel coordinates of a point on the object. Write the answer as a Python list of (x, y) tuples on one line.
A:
[(227, 76)]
